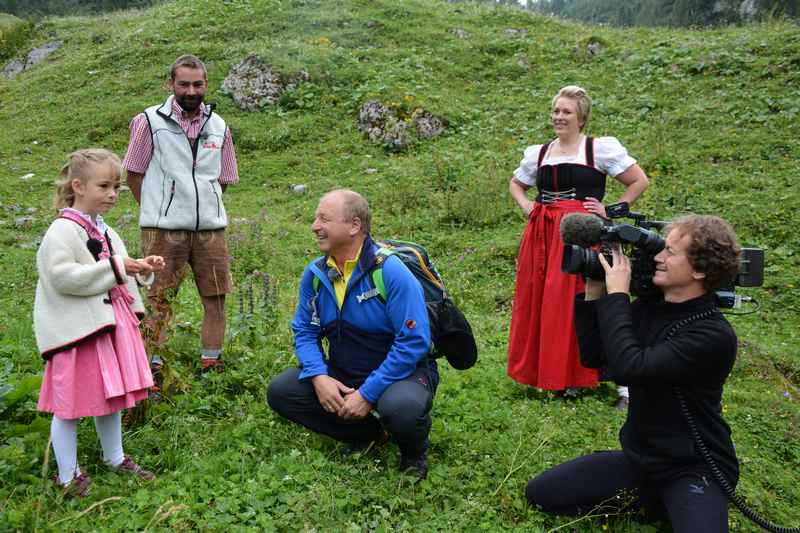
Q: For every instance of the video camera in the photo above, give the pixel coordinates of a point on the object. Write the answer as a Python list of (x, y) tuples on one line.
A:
[(580, 232)]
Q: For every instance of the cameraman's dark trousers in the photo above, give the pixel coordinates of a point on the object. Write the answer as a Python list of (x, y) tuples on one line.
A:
[(403, 410), (608, 483)]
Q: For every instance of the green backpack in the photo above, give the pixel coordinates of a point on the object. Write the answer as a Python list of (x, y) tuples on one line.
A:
[(450, 331)]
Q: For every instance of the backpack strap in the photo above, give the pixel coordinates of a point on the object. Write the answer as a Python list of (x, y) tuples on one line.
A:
[(377, 271), (95, 244), (315, 283), (376, 275)]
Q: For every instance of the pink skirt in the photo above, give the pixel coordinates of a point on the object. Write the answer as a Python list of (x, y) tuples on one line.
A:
[(103, 374)]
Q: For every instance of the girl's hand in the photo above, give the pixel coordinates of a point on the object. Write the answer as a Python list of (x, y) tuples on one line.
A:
[(132, 266), (618, 275), (594, 206), (156, 262)]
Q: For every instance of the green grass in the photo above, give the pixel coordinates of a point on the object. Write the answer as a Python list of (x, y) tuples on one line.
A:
[(710, 115)]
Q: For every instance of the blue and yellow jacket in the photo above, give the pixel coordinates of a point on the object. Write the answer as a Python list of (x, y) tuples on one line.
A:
[(371, 343)]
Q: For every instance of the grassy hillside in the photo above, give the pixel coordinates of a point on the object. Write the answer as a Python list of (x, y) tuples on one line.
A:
[(711, 116)]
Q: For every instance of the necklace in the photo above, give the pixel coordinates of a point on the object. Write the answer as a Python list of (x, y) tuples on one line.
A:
[(569, 150)]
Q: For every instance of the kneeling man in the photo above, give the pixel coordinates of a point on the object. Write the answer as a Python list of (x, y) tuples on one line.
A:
[(377, 376)]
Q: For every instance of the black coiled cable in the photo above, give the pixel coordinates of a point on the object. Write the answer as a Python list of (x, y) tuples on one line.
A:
[(706, 455), (720, 477)]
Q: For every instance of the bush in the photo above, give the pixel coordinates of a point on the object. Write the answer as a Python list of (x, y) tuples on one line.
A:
[(14, 35)]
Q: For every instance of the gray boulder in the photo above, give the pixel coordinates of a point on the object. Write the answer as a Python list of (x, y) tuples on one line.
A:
[(12, 68), (253, 84), (516, 32), (384, 126), (589, 47), (24, 222), (428, 125), (35, 56)]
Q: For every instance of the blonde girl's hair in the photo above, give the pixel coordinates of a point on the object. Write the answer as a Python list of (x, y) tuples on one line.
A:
[(83, 165), (581, 98)]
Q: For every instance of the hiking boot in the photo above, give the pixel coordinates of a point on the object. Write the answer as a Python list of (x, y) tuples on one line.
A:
[(417, 465), (129, 466), (353, 448), (208, 365), (77, 488)]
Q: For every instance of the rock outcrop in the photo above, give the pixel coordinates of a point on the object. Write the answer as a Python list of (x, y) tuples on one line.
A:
[(253, 84)]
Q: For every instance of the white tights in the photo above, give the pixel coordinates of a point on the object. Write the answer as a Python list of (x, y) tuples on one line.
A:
[(65, 443)]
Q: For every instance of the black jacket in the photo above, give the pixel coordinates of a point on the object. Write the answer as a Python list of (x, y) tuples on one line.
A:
[(628, 339)]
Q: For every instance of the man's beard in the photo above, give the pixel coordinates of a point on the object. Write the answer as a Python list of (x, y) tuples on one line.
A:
[(189, 103)]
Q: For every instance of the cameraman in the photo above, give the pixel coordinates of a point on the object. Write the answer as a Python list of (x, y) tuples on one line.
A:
[(658, 465)]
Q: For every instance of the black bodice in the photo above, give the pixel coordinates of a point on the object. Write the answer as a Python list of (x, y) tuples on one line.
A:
[(573, 181)]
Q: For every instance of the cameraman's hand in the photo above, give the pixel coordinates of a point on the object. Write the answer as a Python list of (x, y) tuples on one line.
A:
[(594, 289), (618, 276)]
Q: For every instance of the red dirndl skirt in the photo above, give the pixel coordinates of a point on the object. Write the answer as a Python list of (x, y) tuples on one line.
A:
[(542, 346)]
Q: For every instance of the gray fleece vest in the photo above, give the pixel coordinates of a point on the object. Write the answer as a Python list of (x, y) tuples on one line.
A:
[(181, 190)]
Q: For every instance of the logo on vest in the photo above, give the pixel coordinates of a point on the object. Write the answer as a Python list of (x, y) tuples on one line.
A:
[(372, 293), (211, 145)]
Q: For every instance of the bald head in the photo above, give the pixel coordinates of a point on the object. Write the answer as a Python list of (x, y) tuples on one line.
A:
[(353, 206), (341, 224)]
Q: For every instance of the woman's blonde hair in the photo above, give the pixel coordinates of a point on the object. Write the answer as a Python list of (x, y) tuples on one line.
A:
[(582, 100), (83, 165)]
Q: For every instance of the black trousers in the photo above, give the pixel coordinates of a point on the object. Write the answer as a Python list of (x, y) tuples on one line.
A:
[(592, 484), (403, 410)]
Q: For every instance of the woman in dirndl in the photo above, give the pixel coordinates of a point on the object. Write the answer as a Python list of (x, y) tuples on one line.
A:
[(569, 176)]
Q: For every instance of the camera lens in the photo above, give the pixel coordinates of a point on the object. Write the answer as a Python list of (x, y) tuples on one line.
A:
[(584, 261)]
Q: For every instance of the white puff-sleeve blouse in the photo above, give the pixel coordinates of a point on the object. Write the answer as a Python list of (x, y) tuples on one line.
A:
[(610, 157)]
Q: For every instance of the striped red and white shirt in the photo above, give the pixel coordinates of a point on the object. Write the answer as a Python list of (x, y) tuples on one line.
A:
[(140, 146)]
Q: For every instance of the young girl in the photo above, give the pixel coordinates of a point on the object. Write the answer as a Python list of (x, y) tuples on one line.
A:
[(85, 318)]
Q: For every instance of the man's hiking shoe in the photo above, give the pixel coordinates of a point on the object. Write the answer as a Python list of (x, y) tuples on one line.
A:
[(209, 365), (156, 366), (129, 466), (417, 466), (354, 448), (77, 488)]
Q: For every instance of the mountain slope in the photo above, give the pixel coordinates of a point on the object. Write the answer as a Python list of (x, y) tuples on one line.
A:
[(711, 116)]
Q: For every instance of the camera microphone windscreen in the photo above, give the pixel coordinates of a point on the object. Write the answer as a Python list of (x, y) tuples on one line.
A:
[(581, 229)]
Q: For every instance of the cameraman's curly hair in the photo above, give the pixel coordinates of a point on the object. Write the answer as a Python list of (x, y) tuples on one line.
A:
[(714, 249)]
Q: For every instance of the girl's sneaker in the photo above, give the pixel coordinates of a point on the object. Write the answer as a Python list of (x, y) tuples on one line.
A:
[(129, 466), (77, 488)]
